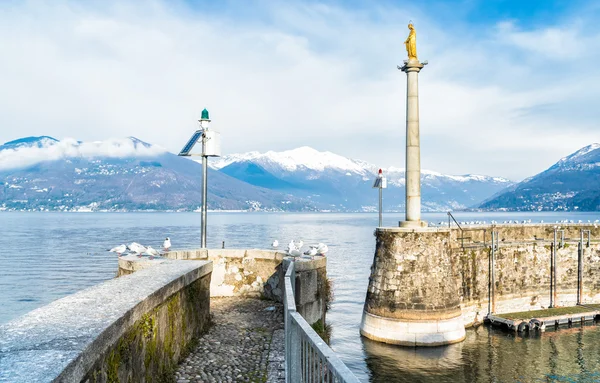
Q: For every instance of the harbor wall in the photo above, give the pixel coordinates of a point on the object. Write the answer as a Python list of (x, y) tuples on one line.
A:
[(522, 268), (423, 279)]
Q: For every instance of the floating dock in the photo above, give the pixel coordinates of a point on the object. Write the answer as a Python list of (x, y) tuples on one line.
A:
[(539, 320)]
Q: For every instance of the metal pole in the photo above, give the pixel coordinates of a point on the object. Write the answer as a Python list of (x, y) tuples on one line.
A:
[(380, 207), (204, 192), (552, 255), (580, 271), (492, 274)]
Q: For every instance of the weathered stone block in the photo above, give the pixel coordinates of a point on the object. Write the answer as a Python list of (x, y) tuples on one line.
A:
[(306, 287)]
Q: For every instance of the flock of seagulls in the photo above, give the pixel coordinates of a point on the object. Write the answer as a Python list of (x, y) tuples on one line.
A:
[(294, 249), (511, 221), (140, 250)]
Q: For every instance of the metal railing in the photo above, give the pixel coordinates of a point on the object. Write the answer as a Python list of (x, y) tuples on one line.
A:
[(307, 357)]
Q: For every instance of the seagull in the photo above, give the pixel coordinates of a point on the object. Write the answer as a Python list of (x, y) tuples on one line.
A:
[(299, 245), (312, 251), (293, 250), (119, 249), (152, 251), (275, 244), (167, 244), (322, 249), (136, 248)]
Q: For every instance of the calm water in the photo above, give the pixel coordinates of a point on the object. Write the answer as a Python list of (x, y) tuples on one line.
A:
[(46, 256)]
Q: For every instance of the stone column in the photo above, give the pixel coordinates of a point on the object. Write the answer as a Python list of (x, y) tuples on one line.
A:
[(413, 147)]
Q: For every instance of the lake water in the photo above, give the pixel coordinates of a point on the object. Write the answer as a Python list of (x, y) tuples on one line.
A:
[(45, 256)]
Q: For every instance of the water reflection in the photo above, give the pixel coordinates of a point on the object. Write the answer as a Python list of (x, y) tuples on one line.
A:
[(491, 355), (389, 363)]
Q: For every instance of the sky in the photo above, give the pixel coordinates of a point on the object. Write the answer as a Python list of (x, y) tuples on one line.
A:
[(510, 88)]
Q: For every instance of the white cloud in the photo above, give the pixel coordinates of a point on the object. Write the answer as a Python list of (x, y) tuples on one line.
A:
[(294, 74), (25, 156)]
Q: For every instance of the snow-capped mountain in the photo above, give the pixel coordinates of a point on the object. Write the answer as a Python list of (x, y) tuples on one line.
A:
[(303, 158), (339, 183), (573, 183), (30, 142), (42, 173)]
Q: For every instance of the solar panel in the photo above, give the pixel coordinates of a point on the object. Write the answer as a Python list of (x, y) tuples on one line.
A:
[(188, 147), (380, 183)]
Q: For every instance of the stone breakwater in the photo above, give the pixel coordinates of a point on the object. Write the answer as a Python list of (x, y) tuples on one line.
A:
[(427, 284), (244, 344)]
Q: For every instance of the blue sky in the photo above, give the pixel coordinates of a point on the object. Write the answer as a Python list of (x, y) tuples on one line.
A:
[(511, 86)]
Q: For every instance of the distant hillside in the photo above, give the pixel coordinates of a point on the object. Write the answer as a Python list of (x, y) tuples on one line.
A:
[(42, 173), (573, 183)]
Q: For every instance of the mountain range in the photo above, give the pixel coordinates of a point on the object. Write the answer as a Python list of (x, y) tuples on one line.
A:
[(42, 173), (337, 183), (571, 184)]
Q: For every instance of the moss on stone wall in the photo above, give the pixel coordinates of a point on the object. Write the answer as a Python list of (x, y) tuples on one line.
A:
[(154, 344)]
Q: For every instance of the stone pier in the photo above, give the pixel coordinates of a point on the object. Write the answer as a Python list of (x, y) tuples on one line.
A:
[(413, 299)]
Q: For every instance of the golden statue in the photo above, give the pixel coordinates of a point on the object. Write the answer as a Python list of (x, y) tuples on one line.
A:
[(411, 43)]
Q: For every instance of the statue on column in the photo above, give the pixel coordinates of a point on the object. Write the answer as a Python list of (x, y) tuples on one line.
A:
[(411, 43)]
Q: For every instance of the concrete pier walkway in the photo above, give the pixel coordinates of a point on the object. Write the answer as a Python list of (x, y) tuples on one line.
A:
[(245, 343)]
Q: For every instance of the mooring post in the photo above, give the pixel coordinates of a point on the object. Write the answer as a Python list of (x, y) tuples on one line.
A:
[(555, 247), (492, 276)]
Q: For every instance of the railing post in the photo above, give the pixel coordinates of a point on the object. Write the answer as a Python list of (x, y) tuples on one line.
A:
[(295, 353)]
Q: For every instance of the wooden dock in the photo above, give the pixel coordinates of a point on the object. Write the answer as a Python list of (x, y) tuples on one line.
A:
[(539, 320)]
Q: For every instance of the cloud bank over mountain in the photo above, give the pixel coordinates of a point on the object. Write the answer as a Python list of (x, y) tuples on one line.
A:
[(21, 153)]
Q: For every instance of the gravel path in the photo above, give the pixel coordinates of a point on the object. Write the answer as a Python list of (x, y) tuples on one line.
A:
[(245, 343)]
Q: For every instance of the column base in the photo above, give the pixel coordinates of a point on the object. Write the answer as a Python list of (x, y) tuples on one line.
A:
[(412, 333), (418, 223)]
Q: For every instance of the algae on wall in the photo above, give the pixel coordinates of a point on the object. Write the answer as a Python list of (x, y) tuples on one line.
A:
[(152, 347)]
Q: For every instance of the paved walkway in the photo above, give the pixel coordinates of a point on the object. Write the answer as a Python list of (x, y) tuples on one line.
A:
[(245, 343)]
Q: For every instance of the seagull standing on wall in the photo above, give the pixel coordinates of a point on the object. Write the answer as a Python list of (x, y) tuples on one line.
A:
[(293, 250), (136, 248), (167, 244), (119, 249), (151, 251), (312, 251), (322, 249)]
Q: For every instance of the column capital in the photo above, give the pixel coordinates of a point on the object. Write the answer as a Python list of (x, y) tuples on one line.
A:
[(412, 66)]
